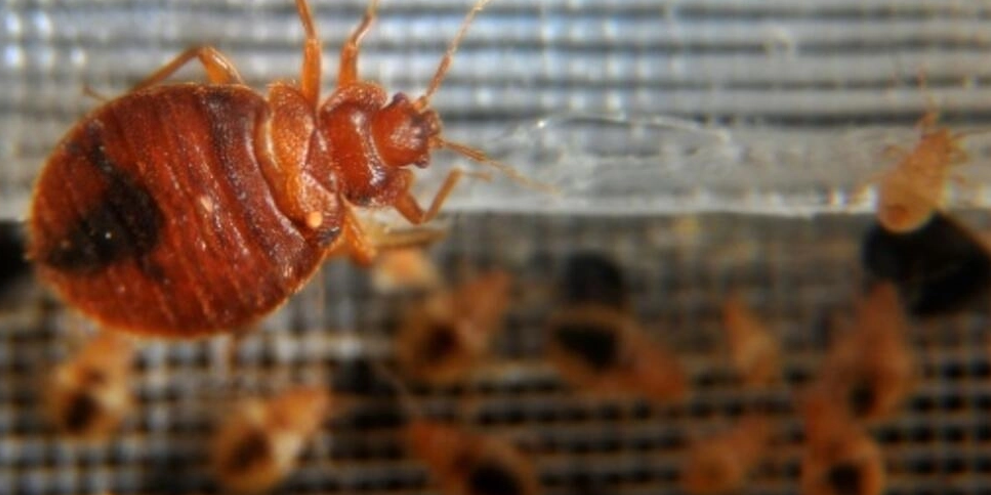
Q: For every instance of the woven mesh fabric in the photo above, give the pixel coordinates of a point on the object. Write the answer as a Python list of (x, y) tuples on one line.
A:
[(796, 274), (646, 107), (796, 100)]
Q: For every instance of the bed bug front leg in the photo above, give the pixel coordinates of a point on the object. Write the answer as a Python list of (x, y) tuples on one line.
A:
[(219, 69), (348, 72), (309, 78), (410, 209)]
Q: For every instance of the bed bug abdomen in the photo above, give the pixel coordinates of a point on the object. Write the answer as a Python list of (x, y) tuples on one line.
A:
[(154, 214)]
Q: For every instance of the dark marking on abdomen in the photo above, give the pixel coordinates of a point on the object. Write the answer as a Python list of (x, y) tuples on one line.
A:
[(82, 410), (249, 452), (124, 223), (490, 478), (597, 346)]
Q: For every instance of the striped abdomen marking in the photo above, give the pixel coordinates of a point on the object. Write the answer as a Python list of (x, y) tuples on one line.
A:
[(153, 214)]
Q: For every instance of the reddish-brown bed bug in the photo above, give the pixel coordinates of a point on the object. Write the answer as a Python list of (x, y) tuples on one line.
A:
[(404, 269), (467, 463), (754, 351), (871, 368), (257, 448), (722, 463), (912, 190), (606, 352), (445, 336), (839, 458), (89, 394), (182, 210), (460, 460)]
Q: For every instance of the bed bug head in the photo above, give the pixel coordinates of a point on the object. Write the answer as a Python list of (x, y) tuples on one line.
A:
[(409, 130), (406, 130), (404, 134)]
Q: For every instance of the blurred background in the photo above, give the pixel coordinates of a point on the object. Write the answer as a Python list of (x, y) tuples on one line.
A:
[(703, 146)]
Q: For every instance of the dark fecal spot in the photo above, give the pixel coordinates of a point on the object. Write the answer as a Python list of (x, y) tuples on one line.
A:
[(123, 224), (938, 268), (597, 346), (13, 265), (845, 478), (493, 479), (593, 278), (252, 450), (441, 342), (80, 412), (861, 398)]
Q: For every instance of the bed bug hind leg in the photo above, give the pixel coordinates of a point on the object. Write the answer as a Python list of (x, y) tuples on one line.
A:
[(353, 242), (219, 69)]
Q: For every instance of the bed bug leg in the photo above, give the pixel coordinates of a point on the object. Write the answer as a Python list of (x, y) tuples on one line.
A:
[(348, 72), (407, 206), (219, 69), (92, 93), (353, 242), (445, 63), (309, 78)]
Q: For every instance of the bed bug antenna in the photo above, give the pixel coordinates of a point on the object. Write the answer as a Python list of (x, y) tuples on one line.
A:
[(478, 156), (445, 63), (423, 102)]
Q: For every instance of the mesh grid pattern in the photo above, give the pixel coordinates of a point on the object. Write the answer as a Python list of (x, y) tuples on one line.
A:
[(798, 74), (788, 78), (795, 274)]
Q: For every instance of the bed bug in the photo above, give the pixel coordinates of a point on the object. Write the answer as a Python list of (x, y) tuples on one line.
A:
[(188, 209), (592, 277), (753, 350), (89, 394), (461, 461), (839, 457), (870, 369), (444, 337), (913, 189), (605, 351), (467, 463), (721, 463), (257, 447), (404, 269)]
